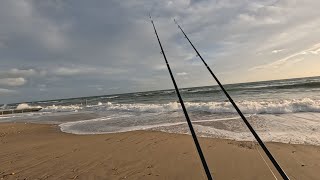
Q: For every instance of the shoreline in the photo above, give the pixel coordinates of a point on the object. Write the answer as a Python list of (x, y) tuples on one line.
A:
[(43, 151)]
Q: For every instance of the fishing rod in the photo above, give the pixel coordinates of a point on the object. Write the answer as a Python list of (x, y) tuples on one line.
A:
[(194, 136), (265, 149)]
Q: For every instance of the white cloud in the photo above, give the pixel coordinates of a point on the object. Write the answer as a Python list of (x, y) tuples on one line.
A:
[(13, 81), (182, 74), (83, 70), (18, 77), (254, 21), (7, 92), (277, 51), (15, 73), (160, 67), (64, 71), (296, 57)]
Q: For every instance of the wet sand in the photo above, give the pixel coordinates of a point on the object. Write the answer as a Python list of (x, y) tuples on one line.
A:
[(34, 151)]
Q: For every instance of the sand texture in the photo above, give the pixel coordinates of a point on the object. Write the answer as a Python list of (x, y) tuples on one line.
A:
[(34, 151)]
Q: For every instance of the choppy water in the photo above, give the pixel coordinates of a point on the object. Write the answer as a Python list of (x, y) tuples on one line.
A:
[(282, 111)]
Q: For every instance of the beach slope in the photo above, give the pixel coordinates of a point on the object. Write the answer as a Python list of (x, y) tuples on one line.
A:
[(34, 151)]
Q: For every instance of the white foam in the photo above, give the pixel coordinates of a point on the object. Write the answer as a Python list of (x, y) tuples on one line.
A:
[(63, 108), (249, 107), (295, 128), (260, 107), (139, 107), (111, 97), (13, 117), (26, 106), (69, 126)]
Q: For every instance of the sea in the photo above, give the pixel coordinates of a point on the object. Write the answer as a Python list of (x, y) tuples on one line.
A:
[(286, 111)]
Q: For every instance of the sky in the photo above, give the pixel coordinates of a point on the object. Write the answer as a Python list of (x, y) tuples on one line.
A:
[(51, 49)]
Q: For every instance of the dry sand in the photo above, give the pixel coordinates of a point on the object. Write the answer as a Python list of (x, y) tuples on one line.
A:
[(33, 151)]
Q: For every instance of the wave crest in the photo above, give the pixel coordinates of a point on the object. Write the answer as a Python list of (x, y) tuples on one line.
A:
[(249, 107)]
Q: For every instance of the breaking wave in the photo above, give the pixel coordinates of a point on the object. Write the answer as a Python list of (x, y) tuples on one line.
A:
[(248, 107), (63, 108), (26, 106)]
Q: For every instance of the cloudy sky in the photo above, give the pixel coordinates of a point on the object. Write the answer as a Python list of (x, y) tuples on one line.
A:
[(57, 49)]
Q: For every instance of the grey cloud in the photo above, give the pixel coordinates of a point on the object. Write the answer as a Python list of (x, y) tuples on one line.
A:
[(73, 71), (14, 73), (6, 92), (70, 45)]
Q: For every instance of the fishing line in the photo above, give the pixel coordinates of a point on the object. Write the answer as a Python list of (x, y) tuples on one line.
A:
[(275, 177)]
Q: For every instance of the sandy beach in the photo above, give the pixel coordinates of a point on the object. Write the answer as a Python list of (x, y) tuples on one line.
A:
[(34, 151)]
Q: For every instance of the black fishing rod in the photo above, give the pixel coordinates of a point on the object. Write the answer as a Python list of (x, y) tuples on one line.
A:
[(194, 136), (265, 149)]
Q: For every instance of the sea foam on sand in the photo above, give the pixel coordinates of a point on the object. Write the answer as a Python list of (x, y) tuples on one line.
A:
[(295, 128)]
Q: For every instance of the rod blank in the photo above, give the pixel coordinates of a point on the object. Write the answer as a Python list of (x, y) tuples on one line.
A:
[(194, 136)]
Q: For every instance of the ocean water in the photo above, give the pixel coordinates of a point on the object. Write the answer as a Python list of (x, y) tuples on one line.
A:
[(285, 111)]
